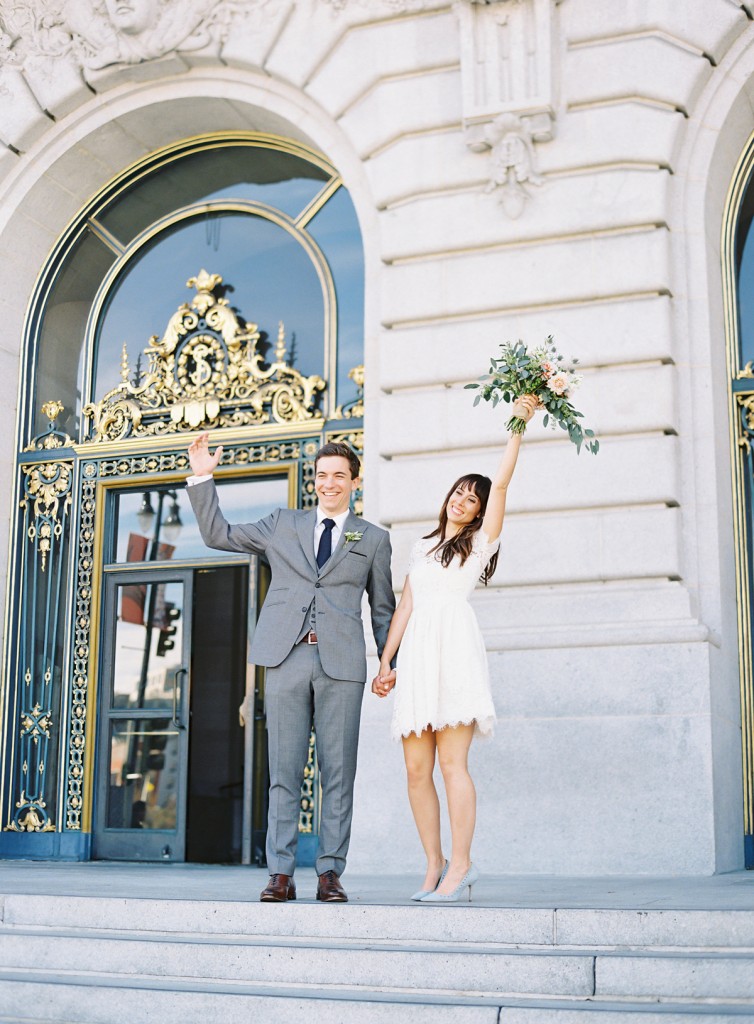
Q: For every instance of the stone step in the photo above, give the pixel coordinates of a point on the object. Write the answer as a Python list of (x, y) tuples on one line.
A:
[(72, 959), (450, 968), (593, 928), (313, 964), (99, 998)]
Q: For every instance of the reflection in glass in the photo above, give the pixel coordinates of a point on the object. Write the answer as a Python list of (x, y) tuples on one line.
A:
[(242, 501), (746, 286), (259, 261), (148, 646), (144, 761), (62, 332), (336, 231), (277, 179)]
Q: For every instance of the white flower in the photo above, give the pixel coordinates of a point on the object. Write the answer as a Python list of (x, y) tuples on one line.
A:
[(575, 381), (559, 383), (352, 536)]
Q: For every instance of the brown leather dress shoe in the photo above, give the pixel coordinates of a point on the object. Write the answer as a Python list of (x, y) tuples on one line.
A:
[(279, 889), (329, 889)]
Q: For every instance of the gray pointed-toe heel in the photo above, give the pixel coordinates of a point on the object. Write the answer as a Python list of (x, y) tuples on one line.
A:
[(469, 879), (419, 896)]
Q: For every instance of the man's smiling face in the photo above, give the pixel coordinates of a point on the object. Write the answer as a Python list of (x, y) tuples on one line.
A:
[(333, 484)]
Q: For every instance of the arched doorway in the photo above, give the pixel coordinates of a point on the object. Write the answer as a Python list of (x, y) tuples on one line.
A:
[(738, 276), (110, 684)]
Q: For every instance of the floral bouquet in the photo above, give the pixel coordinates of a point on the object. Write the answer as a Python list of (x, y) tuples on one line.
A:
[(542, 373)]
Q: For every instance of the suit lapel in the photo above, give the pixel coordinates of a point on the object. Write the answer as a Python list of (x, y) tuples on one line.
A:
[(305, 529), (352, 525)]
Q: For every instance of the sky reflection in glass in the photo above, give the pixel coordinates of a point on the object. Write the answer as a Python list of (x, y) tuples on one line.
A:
[(280, 180), (242, 501), (746, 299), (271, 276), (336, 231)]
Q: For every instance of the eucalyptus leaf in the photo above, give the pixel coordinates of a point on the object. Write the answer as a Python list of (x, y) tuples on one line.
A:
[(518, 371)]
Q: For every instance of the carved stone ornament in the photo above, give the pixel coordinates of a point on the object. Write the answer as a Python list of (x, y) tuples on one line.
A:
[(94, 34), (508, 83), (397, 6), (206, 370), (512, 162)]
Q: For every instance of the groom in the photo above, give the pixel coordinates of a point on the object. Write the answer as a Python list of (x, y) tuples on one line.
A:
[(310, 635)]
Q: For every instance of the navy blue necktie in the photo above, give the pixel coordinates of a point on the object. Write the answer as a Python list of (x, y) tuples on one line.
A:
[(325, 542)]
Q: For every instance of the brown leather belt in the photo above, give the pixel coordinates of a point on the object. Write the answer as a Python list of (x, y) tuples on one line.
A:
[(310, 638)]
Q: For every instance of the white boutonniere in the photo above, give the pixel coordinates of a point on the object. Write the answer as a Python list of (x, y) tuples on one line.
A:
[(352, 536)]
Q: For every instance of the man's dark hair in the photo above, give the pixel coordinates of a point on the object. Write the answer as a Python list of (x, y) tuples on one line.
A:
[(344, 451)]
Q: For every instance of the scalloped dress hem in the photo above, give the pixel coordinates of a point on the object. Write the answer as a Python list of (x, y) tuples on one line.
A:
[(484, 728)]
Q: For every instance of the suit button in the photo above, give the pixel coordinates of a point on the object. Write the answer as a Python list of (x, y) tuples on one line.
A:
[(303, 609), (317, 585)]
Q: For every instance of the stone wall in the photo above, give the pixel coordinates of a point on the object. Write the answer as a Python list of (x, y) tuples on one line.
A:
[(586, 203)]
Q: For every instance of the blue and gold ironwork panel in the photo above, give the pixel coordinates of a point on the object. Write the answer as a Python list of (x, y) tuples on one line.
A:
[(36, 668), (744, 477)]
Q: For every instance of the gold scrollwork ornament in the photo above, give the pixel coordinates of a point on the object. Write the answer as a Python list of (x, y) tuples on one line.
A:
[(355, 408), (34, 817), (45, 486), (745, 421), (206, 370), (51, 438)]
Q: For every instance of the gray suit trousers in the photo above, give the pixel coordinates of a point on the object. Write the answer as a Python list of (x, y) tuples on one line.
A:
[(298, 693)]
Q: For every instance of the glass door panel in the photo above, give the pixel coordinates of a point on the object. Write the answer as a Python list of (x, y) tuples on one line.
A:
[(144, 736), (137, 512), (144, 761), (148, 645)]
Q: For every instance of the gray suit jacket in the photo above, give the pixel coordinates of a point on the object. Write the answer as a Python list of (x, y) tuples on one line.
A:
[(286, 539)]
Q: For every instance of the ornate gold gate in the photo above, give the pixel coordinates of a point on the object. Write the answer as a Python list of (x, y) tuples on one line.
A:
[(208, 370)]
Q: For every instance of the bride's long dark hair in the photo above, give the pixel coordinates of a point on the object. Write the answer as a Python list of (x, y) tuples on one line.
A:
[(460, 544)]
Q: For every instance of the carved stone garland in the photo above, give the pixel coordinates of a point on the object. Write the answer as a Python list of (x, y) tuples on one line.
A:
[(206, 370)]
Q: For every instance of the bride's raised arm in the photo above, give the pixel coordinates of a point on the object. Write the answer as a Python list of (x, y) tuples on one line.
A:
[(492, 523)]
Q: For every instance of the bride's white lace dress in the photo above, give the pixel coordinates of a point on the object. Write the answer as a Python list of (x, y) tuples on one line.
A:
[(442, 675)]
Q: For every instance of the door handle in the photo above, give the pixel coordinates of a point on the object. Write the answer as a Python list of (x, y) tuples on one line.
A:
[(180, 672)]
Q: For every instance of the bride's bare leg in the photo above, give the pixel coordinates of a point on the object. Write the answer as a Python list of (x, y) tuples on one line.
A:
[(419, 752), (453, 755)]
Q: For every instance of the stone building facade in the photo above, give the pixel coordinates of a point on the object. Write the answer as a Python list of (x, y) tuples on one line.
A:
[(518, 168)]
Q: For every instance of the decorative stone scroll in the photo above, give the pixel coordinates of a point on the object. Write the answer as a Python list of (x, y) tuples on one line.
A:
[(507, 74), (206, 370)]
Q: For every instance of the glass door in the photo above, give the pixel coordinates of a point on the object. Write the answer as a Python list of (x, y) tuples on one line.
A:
[(144, 721)]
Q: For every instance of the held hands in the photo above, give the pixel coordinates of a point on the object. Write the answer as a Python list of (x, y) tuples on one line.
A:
[(525, 407), (384, 681), (202, 463)]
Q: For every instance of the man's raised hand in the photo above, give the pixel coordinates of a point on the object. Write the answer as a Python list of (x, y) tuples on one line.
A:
[(202, 463)]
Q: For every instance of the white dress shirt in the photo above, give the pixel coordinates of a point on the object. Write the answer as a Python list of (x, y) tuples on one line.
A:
[(319, 529)]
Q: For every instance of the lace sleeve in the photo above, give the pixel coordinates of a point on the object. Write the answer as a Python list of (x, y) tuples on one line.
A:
[(415, 557), (483, 547)]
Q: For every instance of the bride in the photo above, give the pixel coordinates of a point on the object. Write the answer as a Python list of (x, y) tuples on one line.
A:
[(442, 691)]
